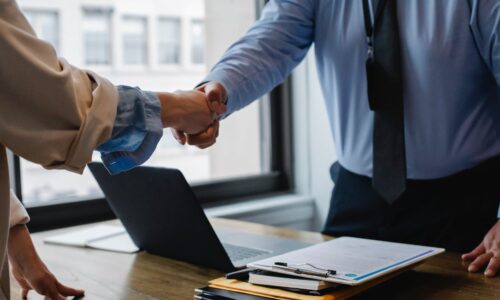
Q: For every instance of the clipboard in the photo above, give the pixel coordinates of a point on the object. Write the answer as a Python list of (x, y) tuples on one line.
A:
[(347, 260)]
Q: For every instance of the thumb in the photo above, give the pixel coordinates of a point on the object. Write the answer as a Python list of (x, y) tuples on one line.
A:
[(216, 97)]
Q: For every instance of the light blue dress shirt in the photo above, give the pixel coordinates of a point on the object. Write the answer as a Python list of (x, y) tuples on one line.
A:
[(451, 65), (136, 132)]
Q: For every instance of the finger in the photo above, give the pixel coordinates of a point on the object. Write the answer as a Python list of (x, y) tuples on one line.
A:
[(67, 291), (204, 146), (493, 267), (480, 262), (205, 137), (474, 253), (216, 97), (179, 136), (25, 292), (55, 295)]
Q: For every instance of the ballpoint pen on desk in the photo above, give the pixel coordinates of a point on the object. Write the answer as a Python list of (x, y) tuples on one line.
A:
[(295, 269)]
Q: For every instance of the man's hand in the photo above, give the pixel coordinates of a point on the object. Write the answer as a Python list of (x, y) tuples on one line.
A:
[(29, 270), (216, 96), (186, 111), (487, 254)]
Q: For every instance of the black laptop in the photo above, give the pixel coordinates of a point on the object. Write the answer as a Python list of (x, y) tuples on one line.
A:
[(162, 215)]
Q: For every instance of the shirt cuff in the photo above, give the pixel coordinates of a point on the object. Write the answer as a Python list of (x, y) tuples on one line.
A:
[(136, 132), (498, 213), (232, 85), (18, 214)]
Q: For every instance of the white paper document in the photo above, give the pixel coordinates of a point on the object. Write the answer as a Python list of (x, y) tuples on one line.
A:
[(103, 237), (355, 260)]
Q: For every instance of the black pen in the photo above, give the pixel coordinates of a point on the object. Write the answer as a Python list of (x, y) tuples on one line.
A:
[(241, 275)]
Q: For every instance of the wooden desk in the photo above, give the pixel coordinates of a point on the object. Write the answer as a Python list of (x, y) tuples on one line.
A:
[(106, 275)]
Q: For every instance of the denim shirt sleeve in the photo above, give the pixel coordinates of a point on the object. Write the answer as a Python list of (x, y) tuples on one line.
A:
[(136, 132)]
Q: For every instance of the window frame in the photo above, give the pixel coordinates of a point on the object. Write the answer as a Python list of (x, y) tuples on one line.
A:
[(277, 180)]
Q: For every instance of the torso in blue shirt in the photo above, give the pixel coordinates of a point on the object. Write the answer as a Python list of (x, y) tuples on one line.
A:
[(451, 61)]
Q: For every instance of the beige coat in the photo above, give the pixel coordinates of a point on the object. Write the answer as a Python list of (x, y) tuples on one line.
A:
[(51, 113)]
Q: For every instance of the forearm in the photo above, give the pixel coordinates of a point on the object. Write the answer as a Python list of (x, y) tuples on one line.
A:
[(21, 248), (267, 54)]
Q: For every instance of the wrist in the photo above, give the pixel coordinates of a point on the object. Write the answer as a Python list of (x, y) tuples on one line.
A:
[(21, 250), (170, 115)]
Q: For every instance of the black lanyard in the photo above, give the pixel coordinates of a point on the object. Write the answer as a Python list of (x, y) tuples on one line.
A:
[(369, 23)]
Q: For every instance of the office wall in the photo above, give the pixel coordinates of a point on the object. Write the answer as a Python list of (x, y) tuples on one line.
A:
[(313, 144)]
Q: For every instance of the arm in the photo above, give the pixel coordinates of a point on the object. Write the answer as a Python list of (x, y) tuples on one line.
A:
[(56, 115), (485, 27), (50, 112), (267, 54), (256, 63), (18, 214)]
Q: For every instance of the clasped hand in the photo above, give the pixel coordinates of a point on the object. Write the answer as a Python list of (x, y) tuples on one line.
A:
[(193, 115)]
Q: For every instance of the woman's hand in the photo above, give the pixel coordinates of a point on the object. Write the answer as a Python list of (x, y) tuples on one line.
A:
[(186, 111), (29, 270)]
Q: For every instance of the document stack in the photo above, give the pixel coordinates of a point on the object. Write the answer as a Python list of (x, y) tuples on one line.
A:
[(338, 269)]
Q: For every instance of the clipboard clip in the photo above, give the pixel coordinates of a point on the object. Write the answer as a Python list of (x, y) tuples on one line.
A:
[(299, 271)]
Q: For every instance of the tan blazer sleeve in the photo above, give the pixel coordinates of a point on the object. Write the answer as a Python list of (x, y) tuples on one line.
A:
[(18, 214), (51, 112)]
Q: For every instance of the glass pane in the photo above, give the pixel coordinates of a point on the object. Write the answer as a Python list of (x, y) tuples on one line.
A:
[(198, 42), (169, 41), (135, 39), (190, 34), (96, 25), (45, 24)]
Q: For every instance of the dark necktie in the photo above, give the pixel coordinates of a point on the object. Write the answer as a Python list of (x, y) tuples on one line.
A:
[(385, 94)]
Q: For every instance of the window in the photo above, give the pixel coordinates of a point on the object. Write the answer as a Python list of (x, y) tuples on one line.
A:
[(45, 24), (169, 41), (198, 42), (251, 154), (96, 26), (135, 41)]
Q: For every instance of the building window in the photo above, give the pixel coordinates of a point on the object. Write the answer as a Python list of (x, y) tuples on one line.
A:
[(45, 24), (135, 41), (197, 42), (97, 36), (169, 41), (250, 156)]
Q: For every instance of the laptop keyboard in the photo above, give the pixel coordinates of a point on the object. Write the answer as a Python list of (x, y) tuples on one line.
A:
[(237, 253)]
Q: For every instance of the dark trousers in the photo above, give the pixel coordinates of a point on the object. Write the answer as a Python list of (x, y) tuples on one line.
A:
[(454, 212)]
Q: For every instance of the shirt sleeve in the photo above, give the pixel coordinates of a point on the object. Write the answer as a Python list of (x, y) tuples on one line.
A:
[(136, 131), (267, 54), (18, 214), (485, 27)]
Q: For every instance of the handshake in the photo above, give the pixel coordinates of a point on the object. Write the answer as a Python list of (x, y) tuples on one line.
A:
[(193, 116)]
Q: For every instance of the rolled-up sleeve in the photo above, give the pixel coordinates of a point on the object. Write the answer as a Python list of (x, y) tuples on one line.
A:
[(51, 113), (18, 214), (136, 131)]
